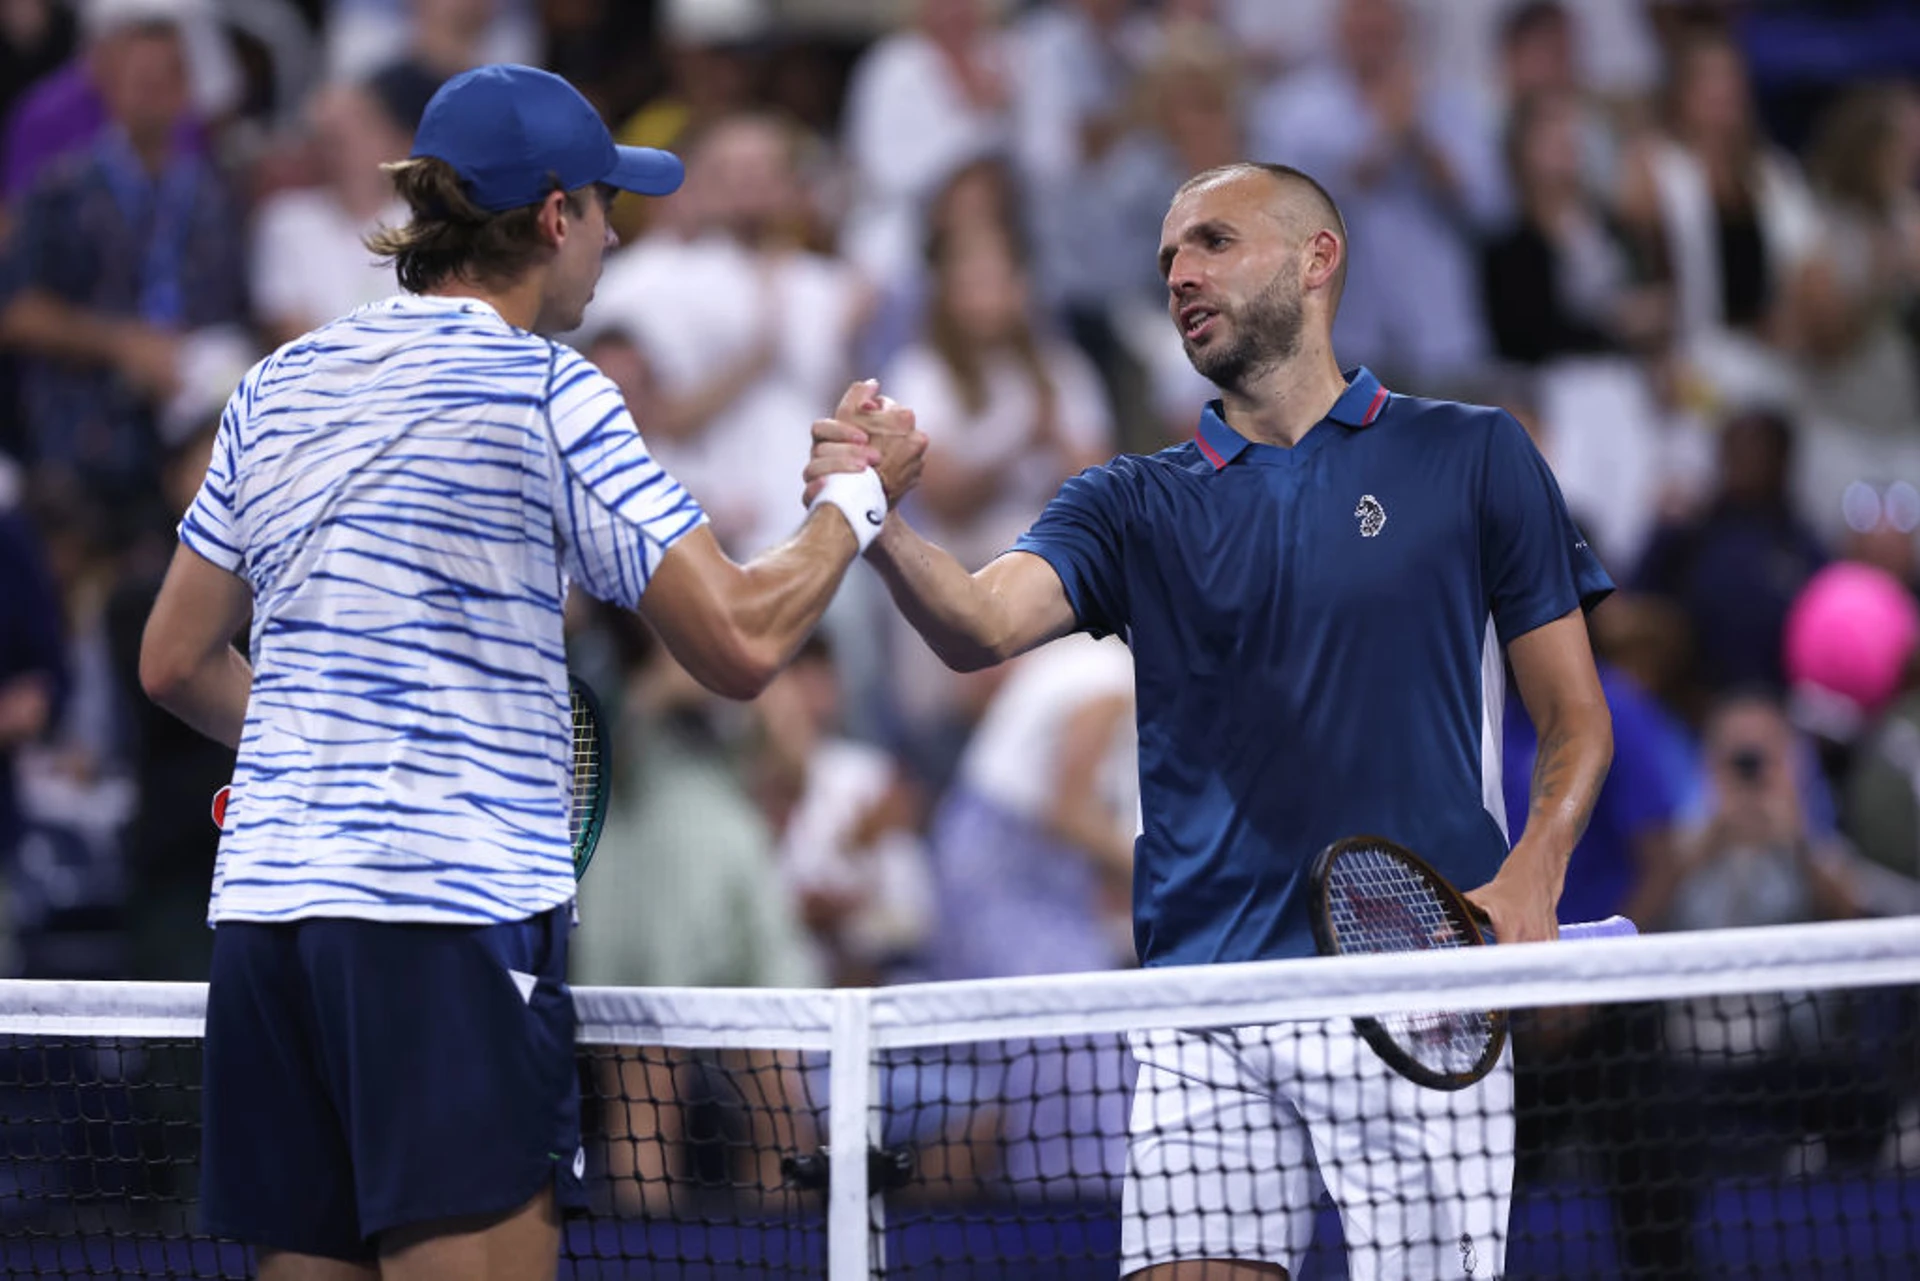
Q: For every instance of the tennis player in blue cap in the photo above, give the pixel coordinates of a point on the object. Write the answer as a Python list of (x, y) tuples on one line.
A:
[(399, 500)]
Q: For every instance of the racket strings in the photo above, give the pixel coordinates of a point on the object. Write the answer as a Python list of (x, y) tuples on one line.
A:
[(586, 772), (1379, 904)]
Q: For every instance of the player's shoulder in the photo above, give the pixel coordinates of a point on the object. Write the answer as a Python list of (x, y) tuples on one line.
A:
[(1457, 422)]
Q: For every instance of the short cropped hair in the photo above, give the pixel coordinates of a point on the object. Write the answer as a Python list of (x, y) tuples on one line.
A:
[(448, 237), (1298, 183)]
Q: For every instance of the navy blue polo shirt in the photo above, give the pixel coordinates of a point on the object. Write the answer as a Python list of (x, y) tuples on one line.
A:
[(1317, 636)]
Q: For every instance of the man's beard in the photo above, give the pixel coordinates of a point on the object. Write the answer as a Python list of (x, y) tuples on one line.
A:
[(1265, 332)]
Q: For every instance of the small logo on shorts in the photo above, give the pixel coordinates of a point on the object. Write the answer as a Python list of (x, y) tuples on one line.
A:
[(1371, 515), (580, 1164), (1468, 1259)]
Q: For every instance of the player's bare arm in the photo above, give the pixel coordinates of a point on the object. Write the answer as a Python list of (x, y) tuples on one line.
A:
[(971, 620), (1561, 688), (188, 664), (733, 627)]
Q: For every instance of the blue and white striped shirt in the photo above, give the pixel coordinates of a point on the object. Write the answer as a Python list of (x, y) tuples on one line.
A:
[(408, 491)]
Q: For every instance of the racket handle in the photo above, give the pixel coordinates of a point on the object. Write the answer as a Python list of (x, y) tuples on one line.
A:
[(1612, 927)]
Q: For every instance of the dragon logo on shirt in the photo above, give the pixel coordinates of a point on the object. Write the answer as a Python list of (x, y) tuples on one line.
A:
[(1371, 515)]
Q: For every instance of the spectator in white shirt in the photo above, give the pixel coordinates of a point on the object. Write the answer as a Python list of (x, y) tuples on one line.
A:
[(744, 329), (848, 824), (310, 262), (920, 103), (1012, 413)]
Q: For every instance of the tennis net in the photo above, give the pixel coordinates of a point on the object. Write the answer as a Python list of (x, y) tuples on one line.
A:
[(1737, 1103)]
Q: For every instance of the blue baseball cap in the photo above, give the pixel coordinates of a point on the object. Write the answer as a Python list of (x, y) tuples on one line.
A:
[(512, 133)]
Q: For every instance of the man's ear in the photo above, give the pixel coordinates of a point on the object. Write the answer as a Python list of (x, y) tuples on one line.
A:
[(553, 218)]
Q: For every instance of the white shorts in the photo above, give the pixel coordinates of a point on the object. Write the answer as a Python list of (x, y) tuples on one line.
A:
[(1234, 1131)]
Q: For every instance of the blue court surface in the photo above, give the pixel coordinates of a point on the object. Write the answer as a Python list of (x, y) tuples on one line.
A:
[(1759, 1231)]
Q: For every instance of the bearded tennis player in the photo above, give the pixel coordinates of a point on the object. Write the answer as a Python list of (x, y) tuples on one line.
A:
[(1319, 590)]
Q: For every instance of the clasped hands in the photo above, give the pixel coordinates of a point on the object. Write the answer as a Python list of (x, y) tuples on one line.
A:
[(867, 430)]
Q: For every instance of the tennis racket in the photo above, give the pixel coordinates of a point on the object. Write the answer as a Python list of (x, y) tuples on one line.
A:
[(1370, 896), (589, 781), (592, 776)]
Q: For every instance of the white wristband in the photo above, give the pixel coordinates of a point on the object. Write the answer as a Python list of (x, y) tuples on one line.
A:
[(861, 498)]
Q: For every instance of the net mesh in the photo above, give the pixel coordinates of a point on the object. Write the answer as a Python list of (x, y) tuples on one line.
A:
[(1744, 1104)]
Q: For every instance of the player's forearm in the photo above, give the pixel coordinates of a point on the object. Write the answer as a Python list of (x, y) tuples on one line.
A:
[(783, 594), (209, 693), (1576, 747), (951, 609)]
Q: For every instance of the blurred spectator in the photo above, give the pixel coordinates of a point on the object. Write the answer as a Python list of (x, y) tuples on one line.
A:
[(1069, 100), (118, 255), (848, 822), (605, 48), (1184, 119), (1882, 805), (33, 671), (1561, 279), (36, 37), (1012, 413), (710, 54), (1411, 161), (1605, 47), (1033, 845), (921, 102), (67, 110), (170, 840), (1755, 860), (68, 881), (1622, 863), (310, 262), (1860, 296), (686, 893), (1735, 569), (1732, 220), (444, 36), (749, 336), (1859, 301)]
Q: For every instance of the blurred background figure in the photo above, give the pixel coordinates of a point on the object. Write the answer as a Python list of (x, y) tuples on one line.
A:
[(66, 110), (1858, 301), (748, 331), (1735, 569), (712, 58), (310, 263), (1033, 846), (117, 256), (1184, 116), (848, 823), (1012, 412), (921, 102), (33, 667), (1412, 162), (1732, 219), (444, 37)]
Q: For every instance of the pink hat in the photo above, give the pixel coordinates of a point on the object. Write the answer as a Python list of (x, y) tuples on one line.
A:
[(1850, 633)]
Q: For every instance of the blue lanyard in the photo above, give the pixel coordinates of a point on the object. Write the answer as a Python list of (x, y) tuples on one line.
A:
[(161, 208)]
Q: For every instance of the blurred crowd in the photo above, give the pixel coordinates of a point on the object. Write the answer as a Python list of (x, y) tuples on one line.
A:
[(1679, 239)]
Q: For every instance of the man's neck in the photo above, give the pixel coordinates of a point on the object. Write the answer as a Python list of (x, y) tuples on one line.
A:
[(1281, 405), (152, 150), (519, 305)]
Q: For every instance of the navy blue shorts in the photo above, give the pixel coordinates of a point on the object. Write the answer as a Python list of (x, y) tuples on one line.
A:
[(363, 1076)]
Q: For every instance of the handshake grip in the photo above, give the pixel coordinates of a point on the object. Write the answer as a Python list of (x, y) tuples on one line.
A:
[(865, 458)]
